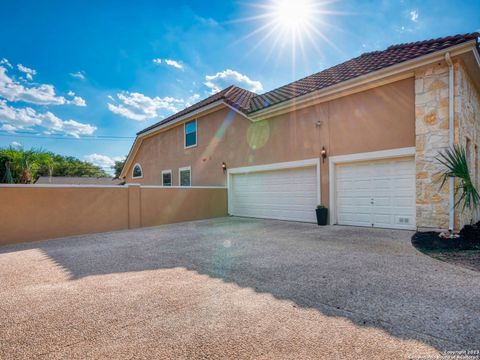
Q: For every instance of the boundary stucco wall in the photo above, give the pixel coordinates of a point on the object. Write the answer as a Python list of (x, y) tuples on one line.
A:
[(467, 125), (432, 132), (175, 204), (35, 212)]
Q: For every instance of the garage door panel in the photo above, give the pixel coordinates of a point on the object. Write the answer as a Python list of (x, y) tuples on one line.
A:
[(378, 193), (289, 194)]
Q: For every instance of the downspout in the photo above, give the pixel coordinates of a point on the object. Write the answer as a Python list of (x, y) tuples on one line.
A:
[(451, 137)]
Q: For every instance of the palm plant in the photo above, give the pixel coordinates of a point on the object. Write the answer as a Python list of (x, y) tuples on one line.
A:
[(456, 166)]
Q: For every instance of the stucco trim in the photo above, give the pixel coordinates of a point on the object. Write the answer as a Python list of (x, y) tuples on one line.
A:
[(184, 168), (168, 171), (133, 169), (275, 166), (185, 134), (61, 186), (367, 156)]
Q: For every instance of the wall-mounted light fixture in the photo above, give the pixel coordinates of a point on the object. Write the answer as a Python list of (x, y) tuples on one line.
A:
[(224, 167), (323, 153)]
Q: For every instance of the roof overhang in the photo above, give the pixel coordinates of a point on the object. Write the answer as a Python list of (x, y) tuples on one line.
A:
[(204, 110), (374, 79)]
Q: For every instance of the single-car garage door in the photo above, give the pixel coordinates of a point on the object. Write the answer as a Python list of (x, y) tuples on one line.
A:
[(376, 193), (285, 194)]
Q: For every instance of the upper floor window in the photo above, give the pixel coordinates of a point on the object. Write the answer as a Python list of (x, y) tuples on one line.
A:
[(190, 129), (167, 178), (185, 176), (137, 171)]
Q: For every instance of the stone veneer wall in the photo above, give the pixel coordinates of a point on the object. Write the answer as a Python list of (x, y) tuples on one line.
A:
[(467, 125), (431, 129), (431, 125)]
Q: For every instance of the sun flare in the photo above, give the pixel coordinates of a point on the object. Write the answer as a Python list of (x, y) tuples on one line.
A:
[(293, 15), (292, 25)]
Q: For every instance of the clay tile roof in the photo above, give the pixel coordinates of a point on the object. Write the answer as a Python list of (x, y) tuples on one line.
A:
[(364, 64), (249, 102)]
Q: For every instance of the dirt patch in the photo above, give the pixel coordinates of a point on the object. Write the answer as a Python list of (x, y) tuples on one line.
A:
[(467, 239)]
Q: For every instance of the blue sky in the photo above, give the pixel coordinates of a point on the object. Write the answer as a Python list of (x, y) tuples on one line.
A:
[(82, 77)]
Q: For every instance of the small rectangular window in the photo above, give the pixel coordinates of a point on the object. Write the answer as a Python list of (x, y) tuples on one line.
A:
[(191, 133), (167, 178), (185, 176)]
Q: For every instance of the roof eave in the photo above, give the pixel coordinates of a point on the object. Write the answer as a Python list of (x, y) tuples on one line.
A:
[(204, 110), (340, 89)]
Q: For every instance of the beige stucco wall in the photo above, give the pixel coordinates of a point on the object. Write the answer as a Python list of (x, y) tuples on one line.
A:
[(30, 213), (372, 120), (432, 132)]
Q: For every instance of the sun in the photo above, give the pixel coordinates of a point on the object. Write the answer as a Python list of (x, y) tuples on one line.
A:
[(290, 24), (293, 15)]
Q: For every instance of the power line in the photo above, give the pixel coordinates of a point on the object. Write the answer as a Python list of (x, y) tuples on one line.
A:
[(96, 138), (93, 136)]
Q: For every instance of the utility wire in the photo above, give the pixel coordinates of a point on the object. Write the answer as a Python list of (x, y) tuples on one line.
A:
[(97, 138)]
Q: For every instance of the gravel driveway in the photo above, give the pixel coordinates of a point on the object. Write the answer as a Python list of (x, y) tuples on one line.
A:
[(234, 288)]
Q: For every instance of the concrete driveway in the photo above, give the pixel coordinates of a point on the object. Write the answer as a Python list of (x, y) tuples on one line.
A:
[(234, 288)]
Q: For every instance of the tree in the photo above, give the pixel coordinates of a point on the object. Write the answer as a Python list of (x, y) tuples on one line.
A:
[(25, 166), (118, 167), (456, 166)]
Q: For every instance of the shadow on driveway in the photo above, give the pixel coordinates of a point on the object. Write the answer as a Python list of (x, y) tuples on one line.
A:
[(373, 277)]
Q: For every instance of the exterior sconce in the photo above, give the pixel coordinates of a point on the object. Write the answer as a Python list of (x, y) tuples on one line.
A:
[(323, 153), (224, 167)]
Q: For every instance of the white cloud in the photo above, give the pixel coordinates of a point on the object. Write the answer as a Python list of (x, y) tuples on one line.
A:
[(6, 63), (174, 63), (414, 15), (27, 118), (78, 101), (79, 75), (103, 161), (71, 93), (28, 72), (228, 77), (42, 94), (16, 144), (207, 21), (192, 100), (8, 127), (139, 107)]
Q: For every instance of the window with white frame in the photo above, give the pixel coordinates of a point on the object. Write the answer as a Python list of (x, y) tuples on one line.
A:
[(137, 171), (167, 178), (190, 130), (185, 176)]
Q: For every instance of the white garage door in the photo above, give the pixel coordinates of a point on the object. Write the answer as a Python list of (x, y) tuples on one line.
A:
[(376, 193), (288, 194)]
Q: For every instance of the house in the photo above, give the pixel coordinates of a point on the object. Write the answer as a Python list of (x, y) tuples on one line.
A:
[(360, 137), (78, 180)]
